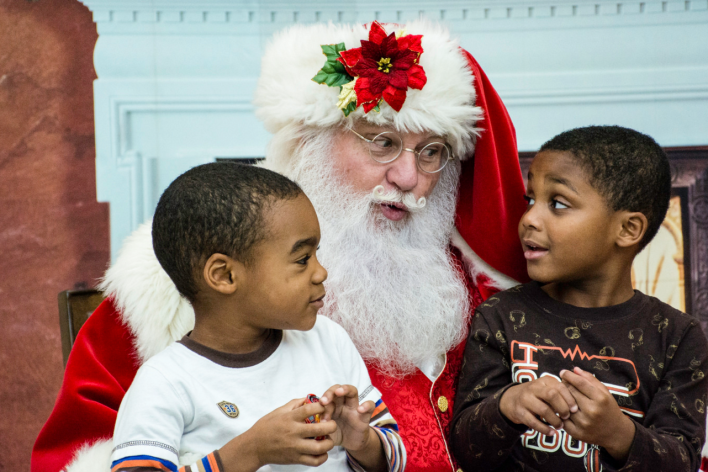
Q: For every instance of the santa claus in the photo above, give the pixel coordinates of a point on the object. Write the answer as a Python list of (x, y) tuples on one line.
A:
[(409, 157)]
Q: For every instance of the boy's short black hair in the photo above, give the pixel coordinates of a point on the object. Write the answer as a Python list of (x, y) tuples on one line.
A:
[(628, 168), (213, 208)]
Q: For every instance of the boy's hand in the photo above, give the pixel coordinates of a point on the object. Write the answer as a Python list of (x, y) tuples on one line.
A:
[(531, 402), (341, 404), (599, 419), (281, 437)]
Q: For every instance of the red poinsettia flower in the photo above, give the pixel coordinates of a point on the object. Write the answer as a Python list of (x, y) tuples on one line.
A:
[(384, 67)]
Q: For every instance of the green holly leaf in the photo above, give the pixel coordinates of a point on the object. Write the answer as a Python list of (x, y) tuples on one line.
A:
[(332, 50), (377, 108), (333, 73), (349, 108), (320, 77)]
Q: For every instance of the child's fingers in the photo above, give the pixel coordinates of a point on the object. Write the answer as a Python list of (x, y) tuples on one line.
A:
[(316, 430), (367, 407), (531, 420), (312, 461), (313, 452), (307, 410), (561, 400), (350, 394), (583, 401), (292, 405), (542, 410), (572, 429), (584, 384), (329, 395)]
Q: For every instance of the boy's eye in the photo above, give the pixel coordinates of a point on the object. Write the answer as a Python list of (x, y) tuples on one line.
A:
[(304, 260), (556, 205), (529, 200)]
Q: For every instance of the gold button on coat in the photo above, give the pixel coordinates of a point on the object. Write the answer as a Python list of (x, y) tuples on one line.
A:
[(442, 403), (459, 470)]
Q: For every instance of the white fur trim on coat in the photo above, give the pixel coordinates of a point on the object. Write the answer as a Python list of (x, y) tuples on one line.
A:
[(94, 457), (148, 300), (476, 266), (287, 99)]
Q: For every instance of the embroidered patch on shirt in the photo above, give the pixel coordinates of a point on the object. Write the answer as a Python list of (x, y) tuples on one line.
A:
[(229, 409)]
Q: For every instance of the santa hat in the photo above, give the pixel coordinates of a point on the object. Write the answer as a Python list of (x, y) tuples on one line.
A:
[(325, 75)]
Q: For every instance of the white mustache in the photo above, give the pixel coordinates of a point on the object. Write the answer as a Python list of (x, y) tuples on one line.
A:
[(379, 195)]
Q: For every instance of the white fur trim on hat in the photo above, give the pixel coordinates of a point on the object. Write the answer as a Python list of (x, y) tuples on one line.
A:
[(476, 266), (287, 98), (148, 300)]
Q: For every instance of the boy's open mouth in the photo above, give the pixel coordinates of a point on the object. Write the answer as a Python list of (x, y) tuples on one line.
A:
[(533, 250), (318, 302)]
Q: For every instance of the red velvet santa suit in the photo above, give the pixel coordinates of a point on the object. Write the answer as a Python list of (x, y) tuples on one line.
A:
[(113, 343)]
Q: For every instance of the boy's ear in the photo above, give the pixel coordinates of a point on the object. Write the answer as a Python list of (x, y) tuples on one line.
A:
[(223, 273), (634, 227)]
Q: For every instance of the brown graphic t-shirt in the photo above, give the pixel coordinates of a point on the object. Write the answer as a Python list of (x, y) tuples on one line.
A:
[(651, 357)]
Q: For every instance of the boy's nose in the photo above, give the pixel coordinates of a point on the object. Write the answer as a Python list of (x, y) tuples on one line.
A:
[(530, 219), (320, 274)]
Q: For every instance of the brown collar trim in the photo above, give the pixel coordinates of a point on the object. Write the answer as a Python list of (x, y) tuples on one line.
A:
[(227, 359)]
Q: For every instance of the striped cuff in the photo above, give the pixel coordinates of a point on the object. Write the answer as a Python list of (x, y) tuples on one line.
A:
[(210, 463), (143, 461), (393, 449)]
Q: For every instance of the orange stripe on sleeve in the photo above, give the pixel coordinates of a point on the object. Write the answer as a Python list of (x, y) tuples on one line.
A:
[(140, 463), (212, 463)]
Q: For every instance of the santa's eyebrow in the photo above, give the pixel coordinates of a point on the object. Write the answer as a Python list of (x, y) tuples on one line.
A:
[(562, 181), (312, 241)]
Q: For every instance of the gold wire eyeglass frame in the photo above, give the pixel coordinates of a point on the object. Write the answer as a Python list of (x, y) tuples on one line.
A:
[(401, 149)]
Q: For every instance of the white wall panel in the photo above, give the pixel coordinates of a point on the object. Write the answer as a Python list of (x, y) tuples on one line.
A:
[(176, 77)]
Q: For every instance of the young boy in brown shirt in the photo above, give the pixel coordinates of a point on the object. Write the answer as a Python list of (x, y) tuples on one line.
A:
[(576, 371)]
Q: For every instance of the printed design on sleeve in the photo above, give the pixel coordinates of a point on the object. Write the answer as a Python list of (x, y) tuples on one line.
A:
[(517, 317), (697, 372)]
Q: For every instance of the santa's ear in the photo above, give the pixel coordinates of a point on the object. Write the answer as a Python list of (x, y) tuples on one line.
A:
[(633, 228), (223, 274)]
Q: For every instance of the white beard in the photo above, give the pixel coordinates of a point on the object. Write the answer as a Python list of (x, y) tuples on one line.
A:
[(393, 285)]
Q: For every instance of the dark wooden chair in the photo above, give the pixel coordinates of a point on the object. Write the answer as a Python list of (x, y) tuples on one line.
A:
[(75, 306)]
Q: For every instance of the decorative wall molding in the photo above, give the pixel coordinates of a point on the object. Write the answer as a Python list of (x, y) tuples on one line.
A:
[(144, 139), (248, 16), (272, 12), (698, 209)]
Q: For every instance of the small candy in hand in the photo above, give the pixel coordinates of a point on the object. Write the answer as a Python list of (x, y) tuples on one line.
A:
[(311, 398)]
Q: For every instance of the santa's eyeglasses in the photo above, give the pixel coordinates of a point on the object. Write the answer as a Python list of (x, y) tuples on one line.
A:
[(387, 146)]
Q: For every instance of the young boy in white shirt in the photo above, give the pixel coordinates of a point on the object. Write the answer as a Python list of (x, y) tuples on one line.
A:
[(240, 243)]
